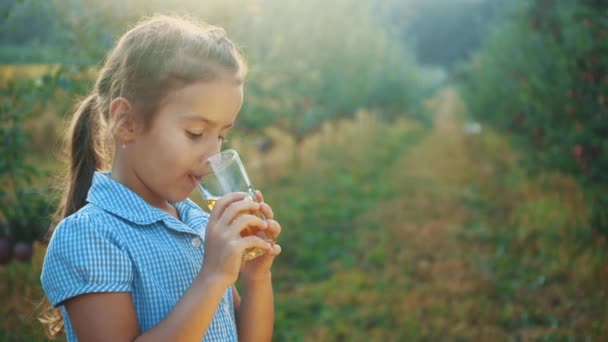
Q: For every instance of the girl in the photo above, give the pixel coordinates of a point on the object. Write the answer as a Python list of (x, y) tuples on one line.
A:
[(133, 257)]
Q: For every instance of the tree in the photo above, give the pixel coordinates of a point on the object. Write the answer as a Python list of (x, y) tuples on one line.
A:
[(443, 32), (545, 79)]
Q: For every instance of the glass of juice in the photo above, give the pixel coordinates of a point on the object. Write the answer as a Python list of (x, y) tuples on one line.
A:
[(226, 174)]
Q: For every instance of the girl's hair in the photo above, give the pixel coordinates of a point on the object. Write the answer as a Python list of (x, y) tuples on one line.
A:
[(159, 54)]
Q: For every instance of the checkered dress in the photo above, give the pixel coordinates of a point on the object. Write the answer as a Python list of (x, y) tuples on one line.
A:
[(119, 243)]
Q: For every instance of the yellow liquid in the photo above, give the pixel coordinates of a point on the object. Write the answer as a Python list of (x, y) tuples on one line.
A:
[(250, 253), (211, 203)]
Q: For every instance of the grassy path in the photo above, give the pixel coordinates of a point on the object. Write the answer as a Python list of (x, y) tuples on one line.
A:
[(475, 249), (440, 292)]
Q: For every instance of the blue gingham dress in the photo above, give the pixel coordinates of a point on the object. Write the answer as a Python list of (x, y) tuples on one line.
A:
[(120, 243)]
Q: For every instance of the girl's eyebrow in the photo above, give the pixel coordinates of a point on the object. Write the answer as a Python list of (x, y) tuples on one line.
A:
[(194, 117)]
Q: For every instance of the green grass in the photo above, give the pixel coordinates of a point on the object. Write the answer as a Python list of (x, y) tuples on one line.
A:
[(548, 268), (21, 295)]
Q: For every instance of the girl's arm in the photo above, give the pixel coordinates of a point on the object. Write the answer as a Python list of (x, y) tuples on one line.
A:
[(112, 317), (103, 316), (255, 312), (191, 317)]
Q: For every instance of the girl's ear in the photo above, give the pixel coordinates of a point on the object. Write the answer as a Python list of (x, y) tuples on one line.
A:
[(123, 119)]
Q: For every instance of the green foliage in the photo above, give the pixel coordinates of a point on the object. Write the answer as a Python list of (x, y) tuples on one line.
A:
[(327, 65), (24, 205), (19, 54), (54, 31), (443, 33), (544, 78), (16, 207), (27, 22)]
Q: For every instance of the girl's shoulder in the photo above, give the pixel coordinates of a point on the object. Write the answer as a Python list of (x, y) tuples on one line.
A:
[(89, 216), (90, 223), (86, 253)]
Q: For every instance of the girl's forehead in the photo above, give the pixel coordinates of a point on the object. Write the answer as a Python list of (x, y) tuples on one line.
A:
[(206, 91), (214, 101)]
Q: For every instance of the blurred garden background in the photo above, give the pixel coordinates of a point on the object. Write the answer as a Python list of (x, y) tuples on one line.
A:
[(440, 167)]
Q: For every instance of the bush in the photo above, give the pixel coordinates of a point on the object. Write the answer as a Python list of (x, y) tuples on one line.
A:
[(544, 78)]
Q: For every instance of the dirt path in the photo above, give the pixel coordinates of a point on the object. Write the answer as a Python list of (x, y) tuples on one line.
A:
[(443, 292)]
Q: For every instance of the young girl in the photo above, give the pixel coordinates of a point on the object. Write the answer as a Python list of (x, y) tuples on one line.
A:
[(133, 257)]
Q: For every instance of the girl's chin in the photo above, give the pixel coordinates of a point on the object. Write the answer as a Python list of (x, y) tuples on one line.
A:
[(180, 196), (182, 192)]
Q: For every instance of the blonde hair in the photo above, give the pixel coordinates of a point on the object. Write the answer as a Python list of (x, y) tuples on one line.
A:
[(157, 55)]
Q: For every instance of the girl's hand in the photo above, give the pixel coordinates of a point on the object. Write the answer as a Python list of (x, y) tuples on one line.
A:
[(260, 267), (224, 245)]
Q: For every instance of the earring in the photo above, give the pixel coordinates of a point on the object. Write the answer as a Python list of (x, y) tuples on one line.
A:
[(124, 143)]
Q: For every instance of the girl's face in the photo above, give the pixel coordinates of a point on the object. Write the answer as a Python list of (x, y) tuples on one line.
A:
[(188, 127)]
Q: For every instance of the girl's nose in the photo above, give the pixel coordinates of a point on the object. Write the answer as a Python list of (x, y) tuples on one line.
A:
[(212, 151)]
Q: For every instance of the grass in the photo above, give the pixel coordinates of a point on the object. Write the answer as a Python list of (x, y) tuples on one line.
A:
[(549, 269), (21, 296)]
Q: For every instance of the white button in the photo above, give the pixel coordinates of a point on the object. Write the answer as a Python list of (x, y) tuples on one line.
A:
[(196, 242)]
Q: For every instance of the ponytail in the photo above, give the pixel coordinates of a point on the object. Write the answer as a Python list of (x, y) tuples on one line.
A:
[(85, 156)]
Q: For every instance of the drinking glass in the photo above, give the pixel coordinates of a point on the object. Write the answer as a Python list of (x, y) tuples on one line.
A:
[(226, 174)]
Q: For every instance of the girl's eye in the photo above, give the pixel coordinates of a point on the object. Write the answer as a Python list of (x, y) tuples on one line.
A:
[(193, 135)]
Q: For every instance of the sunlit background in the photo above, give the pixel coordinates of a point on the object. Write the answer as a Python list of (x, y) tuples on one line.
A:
[(440, 168)]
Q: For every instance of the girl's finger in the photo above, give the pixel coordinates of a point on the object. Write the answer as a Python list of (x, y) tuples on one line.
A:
[(252, 242), (246, 221), (274, 229), (259, 196), (266, 210), (237, 208), (276, 250), (225, 202)]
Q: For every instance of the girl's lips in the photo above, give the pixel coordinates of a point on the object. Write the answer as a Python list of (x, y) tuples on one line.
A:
[(195, 179)]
